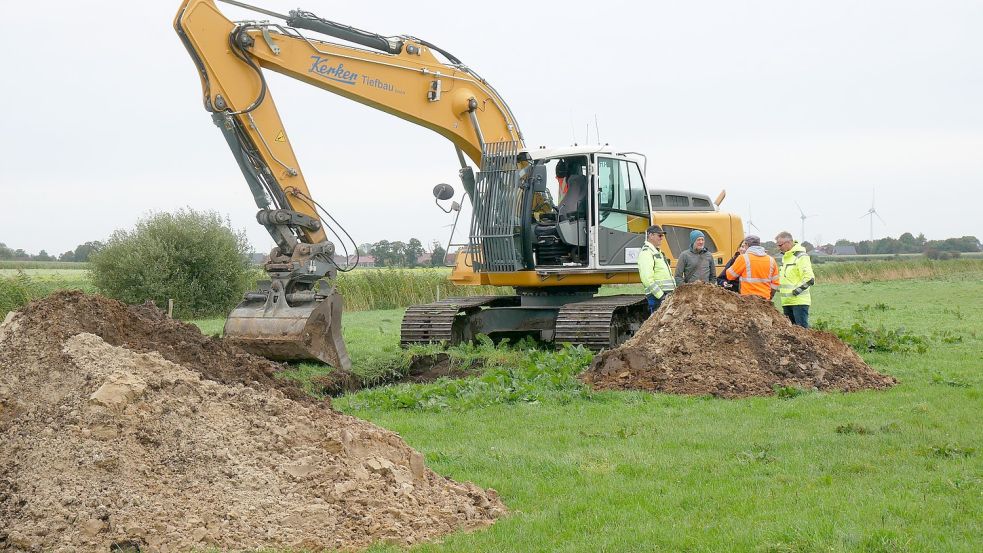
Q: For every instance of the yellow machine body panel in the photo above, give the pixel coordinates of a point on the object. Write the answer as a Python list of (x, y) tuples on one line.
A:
[(724, 232)]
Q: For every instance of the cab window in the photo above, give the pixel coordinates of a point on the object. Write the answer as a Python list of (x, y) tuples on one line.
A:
[(677, 238)]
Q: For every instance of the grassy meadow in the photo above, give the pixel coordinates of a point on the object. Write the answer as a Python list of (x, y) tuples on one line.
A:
[(889, 471), (899, 470)]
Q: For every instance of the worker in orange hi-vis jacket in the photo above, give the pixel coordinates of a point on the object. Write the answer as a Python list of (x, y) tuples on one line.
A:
[(756, 270)]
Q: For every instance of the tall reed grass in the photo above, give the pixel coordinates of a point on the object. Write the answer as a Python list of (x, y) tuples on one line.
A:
[(16, 291), (394, 288), (16, 264), (870, 271)]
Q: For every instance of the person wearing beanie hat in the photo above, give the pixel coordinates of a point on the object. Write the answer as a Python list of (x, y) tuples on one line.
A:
[(696, 263)]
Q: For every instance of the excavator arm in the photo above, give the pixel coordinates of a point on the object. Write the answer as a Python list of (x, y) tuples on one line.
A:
[(403, 78), (292, 317)]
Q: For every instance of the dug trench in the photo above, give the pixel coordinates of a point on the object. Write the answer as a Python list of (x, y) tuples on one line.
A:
[(422, 368), (705, 340), (122, 428)]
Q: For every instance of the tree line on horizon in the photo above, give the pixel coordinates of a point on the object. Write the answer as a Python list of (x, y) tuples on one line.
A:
[(412, 253), (397, 253), (909, 243), (81, 253)]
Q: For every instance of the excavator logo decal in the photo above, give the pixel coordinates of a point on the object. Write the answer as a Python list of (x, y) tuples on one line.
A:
[(336, 73)]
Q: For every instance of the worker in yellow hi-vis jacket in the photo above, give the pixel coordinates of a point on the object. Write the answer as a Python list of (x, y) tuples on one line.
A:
[(653, 268), (797, 278)]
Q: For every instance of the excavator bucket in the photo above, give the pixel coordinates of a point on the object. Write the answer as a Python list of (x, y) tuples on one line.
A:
[(266, 325)]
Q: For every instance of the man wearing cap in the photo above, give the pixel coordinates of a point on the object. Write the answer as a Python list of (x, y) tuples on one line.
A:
[(797, 277), (653, 268), (696, 263), (756, 270)]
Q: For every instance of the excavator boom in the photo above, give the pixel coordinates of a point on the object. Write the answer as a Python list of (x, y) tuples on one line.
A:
[(297, 314)]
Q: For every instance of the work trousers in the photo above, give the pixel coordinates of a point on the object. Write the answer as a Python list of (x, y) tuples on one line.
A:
[(798, 314)]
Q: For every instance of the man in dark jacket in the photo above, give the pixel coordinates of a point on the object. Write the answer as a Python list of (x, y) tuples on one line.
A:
[(696, 263), (722, 280)]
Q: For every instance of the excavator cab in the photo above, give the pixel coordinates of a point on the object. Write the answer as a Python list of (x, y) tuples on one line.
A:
[(560, 230), (560, 210)]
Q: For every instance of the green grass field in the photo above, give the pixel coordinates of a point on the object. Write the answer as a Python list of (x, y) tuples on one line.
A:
[(898, 470), (889, 471)]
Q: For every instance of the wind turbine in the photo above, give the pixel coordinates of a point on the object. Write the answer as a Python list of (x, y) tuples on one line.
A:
[(750, 223), (803, 216), (871, 213)]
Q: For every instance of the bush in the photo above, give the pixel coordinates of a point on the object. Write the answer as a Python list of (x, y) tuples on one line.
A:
[(190, 256)]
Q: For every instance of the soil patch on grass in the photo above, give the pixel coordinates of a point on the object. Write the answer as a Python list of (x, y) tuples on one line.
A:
[(115, 445), (706, 340), (427, 368)]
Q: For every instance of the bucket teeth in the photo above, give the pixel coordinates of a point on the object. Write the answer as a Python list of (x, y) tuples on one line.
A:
[(309, 331)]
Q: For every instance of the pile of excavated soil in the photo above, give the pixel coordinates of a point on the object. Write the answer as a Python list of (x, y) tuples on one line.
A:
[(145, 328), (104, 445), (706, 340)]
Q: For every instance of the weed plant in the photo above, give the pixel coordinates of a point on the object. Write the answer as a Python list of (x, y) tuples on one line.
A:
[(862, 337)]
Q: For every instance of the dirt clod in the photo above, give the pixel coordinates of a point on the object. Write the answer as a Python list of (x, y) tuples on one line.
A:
[(707, 341), (113, 439)]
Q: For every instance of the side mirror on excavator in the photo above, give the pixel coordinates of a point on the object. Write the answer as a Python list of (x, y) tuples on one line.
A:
[(445, 191)]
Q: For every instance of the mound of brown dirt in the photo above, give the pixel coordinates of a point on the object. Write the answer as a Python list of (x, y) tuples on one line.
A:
[(145, 328), (104, 445), (706, 340)]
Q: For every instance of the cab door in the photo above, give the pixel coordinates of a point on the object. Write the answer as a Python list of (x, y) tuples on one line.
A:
[(622, 212)]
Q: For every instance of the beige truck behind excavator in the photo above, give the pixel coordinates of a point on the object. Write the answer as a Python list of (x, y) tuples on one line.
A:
[(554, 224)]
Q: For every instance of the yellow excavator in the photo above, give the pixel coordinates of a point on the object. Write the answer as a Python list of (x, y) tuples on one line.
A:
[(554, 224)]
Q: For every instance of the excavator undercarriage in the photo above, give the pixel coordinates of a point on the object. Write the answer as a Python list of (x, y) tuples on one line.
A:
[(565, 315)]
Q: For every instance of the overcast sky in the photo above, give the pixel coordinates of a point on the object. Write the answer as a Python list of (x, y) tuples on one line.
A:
[(777, 102)]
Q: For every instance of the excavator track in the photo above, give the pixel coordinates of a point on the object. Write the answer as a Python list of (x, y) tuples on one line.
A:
[(598, 323), (602, 322), (434, 322)]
